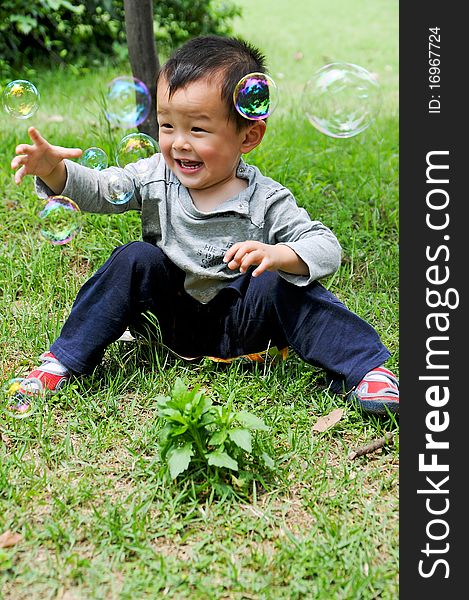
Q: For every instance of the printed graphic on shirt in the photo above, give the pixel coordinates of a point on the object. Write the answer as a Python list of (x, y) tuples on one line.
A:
[(211, 255)]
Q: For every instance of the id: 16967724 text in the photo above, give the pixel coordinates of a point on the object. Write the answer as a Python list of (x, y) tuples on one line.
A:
[(434, 104)]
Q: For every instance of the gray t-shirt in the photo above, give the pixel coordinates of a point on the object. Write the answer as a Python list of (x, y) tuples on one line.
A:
[(196, 241)]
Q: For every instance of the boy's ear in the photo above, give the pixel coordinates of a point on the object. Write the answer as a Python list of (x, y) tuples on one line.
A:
[(253, 136)]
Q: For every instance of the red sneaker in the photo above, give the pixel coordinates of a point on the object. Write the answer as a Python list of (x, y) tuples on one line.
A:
[(378, 392), (52, 375)]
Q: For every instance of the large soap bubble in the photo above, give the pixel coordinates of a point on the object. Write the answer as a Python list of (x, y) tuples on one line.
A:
[(60, 220), (20, 99), (20, 396), (341, 99), (135, 146), (94, 158), (128, 102), (120, 187), (255, 96)]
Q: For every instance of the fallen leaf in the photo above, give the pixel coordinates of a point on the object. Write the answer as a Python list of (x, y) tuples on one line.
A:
[(9, 539), (5, 439), (327, 421)]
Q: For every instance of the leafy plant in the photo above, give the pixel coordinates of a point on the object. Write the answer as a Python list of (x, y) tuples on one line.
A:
[(178, 20), (212, 438), (72, 31)]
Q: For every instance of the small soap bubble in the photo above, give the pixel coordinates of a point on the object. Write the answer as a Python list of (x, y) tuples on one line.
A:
[(94, 158), (120, 188), (60, 220), (255, 96), (20, 99), (341, 99), (20, 396), (128, 102), (135, 146)]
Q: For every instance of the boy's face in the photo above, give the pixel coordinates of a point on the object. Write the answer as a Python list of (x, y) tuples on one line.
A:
[(198, 142)]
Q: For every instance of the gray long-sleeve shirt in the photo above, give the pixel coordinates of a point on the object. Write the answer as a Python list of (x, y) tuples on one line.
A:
[(196, 241)]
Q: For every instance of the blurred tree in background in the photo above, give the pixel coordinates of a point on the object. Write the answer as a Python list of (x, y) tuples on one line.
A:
[(143, 58), (83, 33)]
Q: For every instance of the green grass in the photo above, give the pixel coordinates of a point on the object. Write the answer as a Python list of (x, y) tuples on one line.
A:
[(300, 37), (81, 479)]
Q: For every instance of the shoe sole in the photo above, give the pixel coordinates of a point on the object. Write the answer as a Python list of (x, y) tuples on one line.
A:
[(377, 407)]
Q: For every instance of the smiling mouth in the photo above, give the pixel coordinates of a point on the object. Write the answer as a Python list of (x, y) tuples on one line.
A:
[(191, 165)]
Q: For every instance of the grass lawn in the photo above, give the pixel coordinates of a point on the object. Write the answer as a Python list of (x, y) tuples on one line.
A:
[(81, 480)]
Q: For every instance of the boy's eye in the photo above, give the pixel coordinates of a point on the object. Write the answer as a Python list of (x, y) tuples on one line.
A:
[(198, 130), (166, 126)]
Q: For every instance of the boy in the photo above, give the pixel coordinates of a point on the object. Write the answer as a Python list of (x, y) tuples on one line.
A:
[(229, 264)]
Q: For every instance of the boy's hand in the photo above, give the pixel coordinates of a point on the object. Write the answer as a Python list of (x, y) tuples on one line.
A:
[(268, 257), (42, 159)]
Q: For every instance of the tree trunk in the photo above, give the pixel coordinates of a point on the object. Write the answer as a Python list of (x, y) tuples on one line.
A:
[(142, 53)]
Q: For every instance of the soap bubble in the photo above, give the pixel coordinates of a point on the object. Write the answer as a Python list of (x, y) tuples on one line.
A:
[(20, 396), (120, 188), (60, 220), (255, 96), (20, 99), (128, 102), (94, 158), (135, 146), (341, 99)]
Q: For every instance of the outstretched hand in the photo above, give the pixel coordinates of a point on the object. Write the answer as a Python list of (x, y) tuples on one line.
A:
[(41, 158)]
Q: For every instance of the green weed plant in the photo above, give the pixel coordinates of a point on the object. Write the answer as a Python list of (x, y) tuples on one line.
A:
[(213, 440)]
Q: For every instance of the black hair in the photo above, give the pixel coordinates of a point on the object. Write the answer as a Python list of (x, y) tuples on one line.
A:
[(205, 56)]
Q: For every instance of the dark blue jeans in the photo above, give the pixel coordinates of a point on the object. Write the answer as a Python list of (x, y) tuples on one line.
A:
[(247, 316)]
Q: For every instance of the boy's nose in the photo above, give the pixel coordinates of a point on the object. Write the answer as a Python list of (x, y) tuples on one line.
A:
[(181, 143)]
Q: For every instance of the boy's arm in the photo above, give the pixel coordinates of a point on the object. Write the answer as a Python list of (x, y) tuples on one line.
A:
[(55, 174), (301, 250), (43, 160)]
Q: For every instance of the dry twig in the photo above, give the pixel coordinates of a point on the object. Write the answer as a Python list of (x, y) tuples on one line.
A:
[(372, 446)]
